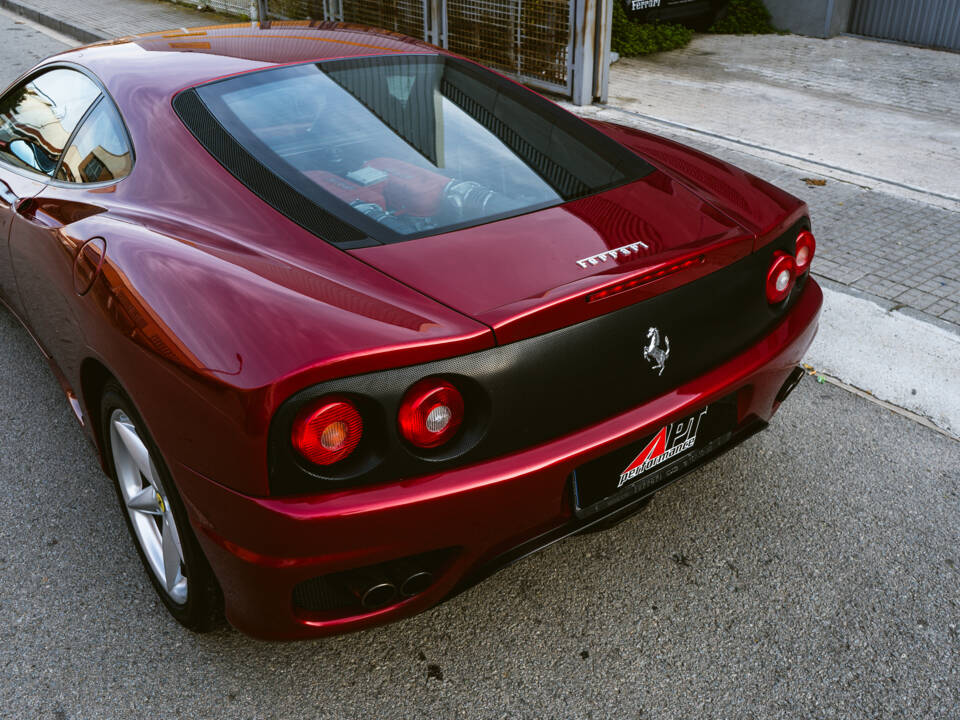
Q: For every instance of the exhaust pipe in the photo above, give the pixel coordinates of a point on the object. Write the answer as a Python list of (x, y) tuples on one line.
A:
[(793, 379), (410, 577), (416, 583), (373, 589), (379, 596)]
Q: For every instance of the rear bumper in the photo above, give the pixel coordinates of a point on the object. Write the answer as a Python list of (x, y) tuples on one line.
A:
[(492, 512)]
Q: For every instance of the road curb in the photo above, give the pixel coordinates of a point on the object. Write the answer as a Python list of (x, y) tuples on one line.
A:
[(890, 355), (83, 34)]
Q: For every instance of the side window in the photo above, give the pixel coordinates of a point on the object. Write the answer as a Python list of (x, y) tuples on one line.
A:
[(99, 151), (38, 117)]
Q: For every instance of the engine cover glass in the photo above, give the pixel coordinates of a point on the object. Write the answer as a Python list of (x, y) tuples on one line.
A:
[(415, 145)]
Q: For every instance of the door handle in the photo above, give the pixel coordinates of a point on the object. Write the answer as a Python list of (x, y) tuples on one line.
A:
[(24, 207)]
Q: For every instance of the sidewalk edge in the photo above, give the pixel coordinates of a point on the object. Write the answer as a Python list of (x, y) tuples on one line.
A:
[(83, 34), (891, 306)]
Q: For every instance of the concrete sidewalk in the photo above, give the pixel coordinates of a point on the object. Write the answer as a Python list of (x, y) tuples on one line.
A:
[(94, 20), (887, 113)]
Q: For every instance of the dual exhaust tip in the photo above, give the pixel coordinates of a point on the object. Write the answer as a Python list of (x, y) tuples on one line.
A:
[(377, 589), (370, 588)]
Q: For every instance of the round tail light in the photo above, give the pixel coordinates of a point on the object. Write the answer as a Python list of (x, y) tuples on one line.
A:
[(327, 431), (806, 247), (780, 277), (430, 413)]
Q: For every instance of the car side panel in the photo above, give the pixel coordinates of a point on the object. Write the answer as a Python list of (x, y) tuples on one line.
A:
[(13, 186), (206, 348)]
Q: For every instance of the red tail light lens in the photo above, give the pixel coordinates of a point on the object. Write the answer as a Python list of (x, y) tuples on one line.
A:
[(806, 247), (780, 277), (430, 413), (327, 431)]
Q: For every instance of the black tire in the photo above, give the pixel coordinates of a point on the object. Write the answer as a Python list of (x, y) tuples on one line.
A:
[(203, 609)]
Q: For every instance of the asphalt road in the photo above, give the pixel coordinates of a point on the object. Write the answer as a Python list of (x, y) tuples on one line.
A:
[(814, 572)]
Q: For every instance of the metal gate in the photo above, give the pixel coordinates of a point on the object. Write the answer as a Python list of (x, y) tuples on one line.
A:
[(932, 23), (531, 39), (554, 45)]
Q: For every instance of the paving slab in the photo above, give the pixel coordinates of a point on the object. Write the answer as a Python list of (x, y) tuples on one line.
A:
[(910, 364)]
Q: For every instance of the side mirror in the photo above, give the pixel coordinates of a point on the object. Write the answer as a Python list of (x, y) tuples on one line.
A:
[(32, 155), (22, 150)]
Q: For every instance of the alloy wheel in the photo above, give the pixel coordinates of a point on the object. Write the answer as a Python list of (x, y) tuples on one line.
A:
[(151, 513)]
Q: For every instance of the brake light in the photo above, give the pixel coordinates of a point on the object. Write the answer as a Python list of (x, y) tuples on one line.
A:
[(780, 277), (616, 288), (806, 247), (430, 413), (327, 431)]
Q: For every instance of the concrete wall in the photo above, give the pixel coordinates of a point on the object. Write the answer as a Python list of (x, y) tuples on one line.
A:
[(817, 18)]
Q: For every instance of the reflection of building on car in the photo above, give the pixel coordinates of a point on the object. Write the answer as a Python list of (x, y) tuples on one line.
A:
[(36, 150), (45, 122), (99, 164)]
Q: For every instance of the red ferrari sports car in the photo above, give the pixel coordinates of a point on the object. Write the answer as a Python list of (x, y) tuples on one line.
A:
[(353, 322)]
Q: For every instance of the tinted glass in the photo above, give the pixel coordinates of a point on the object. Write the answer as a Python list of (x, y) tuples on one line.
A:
[(416, 145), (99, 151), (38, 117)]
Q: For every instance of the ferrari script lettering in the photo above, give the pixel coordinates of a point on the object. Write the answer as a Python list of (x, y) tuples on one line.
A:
[(631, 249), (644, 4), (672, 440)]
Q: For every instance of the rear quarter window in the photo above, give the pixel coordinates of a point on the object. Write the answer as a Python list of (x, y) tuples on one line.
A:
[(99, 151)]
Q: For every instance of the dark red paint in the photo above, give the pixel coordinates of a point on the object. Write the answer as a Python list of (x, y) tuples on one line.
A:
[(211, 309)]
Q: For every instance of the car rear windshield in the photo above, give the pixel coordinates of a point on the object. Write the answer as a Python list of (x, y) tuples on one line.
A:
[(407, 146)]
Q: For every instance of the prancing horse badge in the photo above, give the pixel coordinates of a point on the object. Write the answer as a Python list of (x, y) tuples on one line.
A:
[(654, 353)]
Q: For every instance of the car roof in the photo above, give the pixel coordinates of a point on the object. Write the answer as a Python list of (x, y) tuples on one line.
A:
[(185, 57)]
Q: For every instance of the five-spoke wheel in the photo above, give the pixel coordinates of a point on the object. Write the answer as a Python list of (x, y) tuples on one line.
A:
[(151, 514), (156, 516)]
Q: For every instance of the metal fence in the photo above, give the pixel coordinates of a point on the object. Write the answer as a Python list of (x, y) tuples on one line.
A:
[(530, 39), (232, 7), (556, 45), (933, 23)]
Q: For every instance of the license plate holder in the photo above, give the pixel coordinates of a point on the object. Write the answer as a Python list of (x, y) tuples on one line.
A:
[(645, 465)]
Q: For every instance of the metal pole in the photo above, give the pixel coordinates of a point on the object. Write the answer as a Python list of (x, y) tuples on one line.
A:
[(584, 37), (601, 79), (435, 23), (261, 8)]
